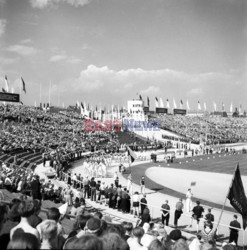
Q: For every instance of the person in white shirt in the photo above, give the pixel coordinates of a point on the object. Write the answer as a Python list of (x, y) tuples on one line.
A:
[(134, 242)]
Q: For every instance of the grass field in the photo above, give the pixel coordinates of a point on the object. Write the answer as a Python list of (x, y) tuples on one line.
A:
[(209, 163)]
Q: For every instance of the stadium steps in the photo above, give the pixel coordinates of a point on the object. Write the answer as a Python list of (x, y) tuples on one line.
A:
[(29, 156), (127, 138), (24, 154), (4, 157), (17, 152)]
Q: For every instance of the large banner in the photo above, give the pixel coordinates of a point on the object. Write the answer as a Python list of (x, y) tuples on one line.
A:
[(8, 97), (161, 110), (179, 111)]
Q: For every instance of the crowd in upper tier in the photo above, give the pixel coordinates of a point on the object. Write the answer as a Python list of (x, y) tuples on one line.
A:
[(210, 129)]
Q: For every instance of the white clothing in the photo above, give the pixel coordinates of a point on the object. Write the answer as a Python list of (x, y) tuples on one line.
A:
[(188, 201), (134, 245)]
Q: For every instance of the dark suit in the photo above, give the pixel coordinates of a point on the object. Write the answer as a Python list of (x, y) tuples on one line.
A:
[(36, 189), (234, 232)]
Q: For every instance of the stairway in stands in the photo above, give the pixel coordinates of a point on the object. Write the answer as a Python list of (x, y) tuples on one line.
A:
[(129, 138)]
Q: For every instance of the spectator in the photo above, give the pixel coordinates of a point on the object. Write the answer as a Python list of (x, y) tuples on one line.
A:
[(156, 245), (128, 226), (178, 212), (234, 231), (143, 202), (209, 217), (48, 234), (165, 215), (25, 209), (197, 214), (88, 241), (134, 242), (113, 241), (148, 236), (145, 218), (24, 241), (136, 204), (34, 219)]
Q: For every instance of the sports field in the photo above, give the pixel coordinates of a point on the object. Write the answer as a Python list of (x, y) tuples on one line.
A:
[(212, 174)]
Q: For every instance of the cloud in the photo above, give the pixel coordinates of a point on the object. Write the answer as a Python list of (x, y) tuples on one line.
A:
[(150, 90), (64, 57), (22, 50), (7, 61), (3, 23), (106, 85), (196, 91), (57, 58), (73, 60), (41, 4), (26, 41)]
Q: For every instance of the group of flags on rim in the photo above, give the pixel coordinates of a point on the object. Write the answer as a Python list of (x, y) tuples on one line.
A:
[(160, 104), (6, 89)]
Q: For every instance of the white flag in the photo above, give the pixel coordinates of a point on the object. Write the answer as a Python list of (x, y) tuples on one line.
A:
[(215, 106), (6, 84), (161, 103), (174, 104), (156, 102), (188, 106), (199, 106), (167, 104), (231, 108)]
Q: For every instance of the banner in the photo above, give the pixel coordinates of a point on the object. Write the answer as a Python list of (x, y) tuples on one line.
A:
[(132, 155), (8, 97), (237, 196)]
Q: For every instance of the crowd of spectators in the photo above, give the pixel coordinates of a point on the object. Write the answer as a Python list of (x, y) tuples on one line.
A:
[(207, 129), (21, 227)]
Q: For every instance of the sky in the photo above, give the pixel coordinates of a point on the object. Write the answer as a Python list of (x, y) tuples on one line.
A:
[(106, 52)]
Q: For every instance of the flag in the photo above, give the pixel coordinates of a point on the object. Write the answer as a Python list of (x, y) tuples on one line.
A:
[(181, 104), (231, 108), (240, 109), (4, 91), (140, 97), (23, 85), (78, 105), (132, 154), (161, 103), (223, 106), (199, 106), (174, 104), (148, 101), (82, 106), (6, 84), (167, 103), (156, 102), (205, 106), (236, 195), (215, 107), (188, 106), (193, 183)]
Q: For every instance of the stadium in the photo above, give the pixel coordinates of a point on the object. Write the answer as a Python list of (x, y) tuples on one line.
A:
[(123, 125)]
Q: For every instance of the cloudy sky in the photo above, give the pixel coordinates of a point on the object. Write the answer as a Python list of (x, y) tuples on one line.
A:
[(107, 51)]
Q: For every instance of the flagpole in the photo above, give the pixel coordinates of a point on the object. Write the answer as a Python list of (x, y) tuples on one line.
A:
[(50, 94), (226, 197), (40, 94)]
